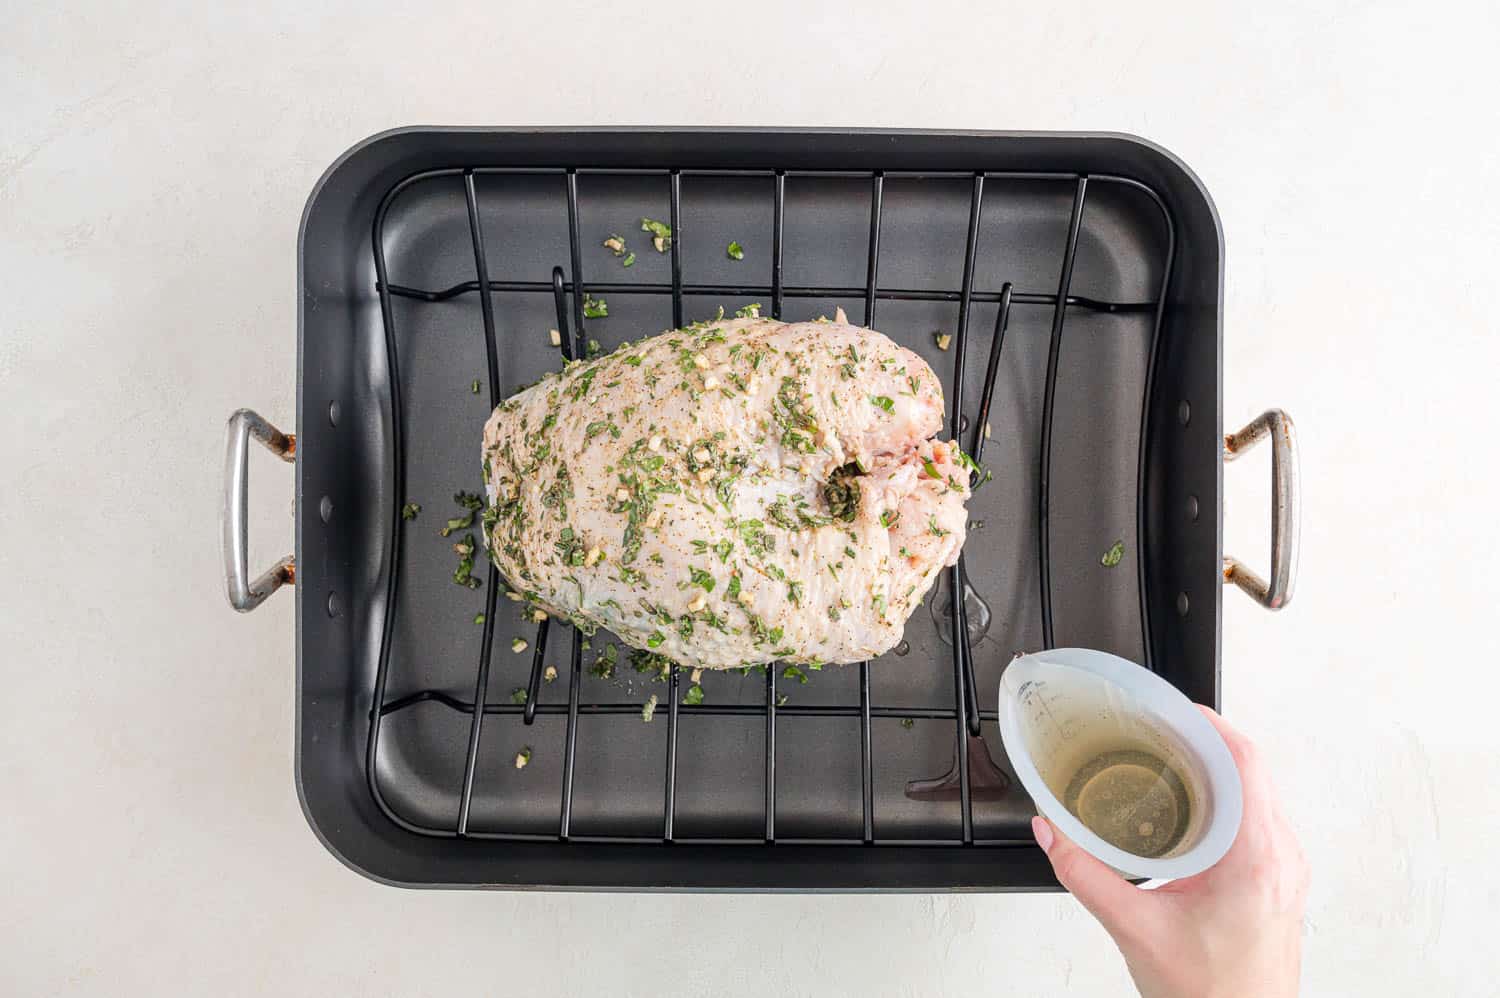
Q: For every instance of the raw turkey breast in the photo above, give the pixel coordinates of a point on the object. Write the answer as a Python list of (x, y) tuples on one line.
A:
[(733, 493)]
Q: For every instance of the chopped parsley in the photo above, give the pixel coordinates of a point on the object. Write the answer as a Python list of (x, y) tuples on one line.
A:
[(463, 574), (780, 514), (518, 695), (478, 618), (594, 308), (702, 580), (559, 492), (736, 251), (797, 422), (471, 504), (661, 235), (604, 665), (764, 635), (848, 369), (753, 533), (1113, 556), (977, 475), (581, 384), (751, 311), (410, 511), (889, 517), (629, 260), (599, 426), (883, 402), (693, 696), (570, 549), (792, 672), (647, 662), (907, 723)]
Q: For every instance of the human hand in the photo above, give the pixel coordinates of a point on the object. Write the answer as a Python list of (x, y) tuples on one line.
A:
[(1232, 931)]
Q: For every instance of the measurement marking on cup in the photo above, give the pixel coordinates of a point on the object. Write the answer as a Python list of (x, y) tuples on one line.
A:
[(1032, 692)]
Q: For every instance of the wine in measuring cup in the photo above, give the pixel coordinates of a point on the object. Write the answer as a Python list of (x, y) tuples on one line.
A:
[(1111, 767), (1131, 798), (1120, 760)]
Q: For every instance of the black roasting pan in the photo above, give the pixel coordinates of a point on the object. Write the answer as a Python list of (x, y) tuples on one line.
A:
[(1081, 277)]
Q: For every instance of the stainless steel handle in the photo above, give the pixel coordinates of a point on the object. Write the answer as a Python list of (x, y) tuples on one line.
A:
[(245, 595), (1285, 523)]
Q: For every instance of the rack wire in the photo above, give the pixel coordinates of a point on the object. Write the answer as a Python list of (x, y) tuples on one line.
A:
[(568, 295)]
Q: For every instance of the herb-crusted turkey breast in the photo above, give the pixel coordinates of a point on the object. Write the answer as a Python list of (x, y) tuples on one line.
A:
[(733, 493)]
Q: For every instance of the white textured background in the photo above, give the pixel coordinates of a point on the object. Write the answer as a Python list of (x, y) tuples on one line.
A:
[(154, 161)]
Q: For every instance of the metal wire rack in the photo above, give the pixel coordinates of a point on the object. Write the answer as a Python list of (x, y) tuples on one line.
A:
[(568, 295)]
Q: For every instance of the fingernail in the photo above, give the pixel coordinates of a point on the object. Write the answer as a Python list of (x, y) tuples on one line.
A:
[(1042, 830)]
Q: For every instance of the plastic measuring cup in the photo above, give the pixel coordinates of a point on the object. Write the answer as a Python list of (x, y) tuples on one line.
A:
[(1062, 710)]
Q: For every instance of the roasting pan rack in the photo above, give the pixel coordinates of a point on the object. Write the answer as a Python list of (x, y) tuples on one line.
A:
[(568, 297)]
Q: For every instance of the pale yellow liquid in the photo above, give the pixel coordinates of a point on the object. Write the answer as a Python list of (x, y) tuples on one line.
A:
[(1132, 799)]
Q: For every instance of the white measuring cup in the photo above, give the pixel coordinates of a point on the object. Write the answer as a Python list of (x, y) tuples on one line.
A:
[(1061, 708)]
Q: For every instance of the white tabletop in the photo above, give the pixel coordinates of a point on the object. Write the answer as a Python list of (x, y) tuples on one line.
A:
[(153, 166)]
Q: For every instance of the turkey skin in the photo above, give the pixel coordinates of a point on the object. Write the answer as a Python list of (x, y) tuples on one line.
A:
[(734, 493)]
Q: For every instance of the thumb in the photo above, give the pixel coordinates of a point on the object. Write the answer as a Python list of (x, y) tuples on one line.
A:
[(1115, 902)]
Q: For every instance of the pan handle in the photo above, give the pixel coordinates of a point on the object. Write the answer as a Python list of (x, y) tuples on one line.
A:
[(1285, 523), (245, 595)]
